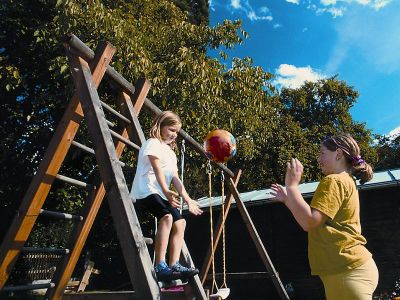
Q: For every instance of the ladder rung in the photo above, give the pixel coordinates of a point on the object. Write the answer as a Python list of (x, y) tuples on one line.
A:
[(91, 151), (114, 112), (59, 215), (72, 181), (126, 141), (148, 241), (110, 124), (44, 250), (28, 287), (83, 147)]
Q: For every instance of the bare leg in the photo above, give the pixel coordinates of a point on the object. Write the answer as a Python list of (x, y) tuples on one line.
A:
[(163, 232), (176, 240)]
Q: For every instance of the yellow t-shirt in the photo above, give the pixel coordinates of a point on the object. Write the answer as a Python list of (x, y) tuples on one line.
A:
[(337, 245)]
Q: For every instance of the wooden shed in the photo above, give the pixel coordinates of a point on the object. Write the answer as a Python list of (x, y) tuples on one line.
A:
[(286, 242)]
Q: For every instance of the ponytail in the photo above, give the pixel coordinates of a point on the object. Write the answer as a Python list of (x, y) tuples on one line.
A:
[(359, 168)]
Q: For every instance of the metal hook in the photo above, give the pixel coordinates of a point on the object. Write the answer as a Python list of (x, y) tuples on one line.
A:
[(209, 168)]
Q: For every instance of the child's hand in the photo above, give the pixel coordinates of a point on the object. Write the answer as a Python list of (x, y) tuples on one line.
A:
[(194, 207), (173, 198), (294, 171), (279, 192)]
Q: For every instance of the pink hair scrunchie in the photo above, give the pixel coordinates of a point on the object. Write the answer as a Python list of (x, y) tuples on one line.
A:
[(357, 160)]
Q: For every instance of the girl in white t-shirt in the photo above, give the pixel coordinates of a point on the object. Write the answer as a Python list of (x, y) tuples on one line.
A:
[(156, 170)]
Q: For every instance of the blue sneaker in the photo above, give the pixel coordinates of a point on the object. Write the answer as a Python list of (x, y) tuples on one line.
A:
[(186, 272), (164, 273)]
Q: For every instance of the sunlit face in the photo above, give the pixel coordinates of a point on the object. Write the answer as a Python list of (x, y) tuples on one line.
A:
[(327, 160), (170, 133)]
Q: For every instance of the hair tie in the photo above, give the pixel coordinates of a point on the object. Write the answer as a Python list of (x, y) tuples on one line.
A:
[(357, 160)]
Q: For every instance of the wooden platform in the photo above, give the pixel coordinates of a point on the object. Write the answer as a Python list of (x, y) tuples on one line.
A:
[(123, 295)]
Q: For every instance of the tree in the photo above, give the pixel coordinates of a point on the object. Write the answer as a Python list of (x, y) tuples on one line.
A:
[(322, 109), (166, 42), (388, 152)]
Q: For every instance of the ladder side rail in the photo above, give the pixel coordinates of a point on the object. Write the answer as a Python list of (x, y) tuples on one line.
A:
[(218, 230), (39, 188), (257, 241), (197, 285), (131, 107), (132, 242)]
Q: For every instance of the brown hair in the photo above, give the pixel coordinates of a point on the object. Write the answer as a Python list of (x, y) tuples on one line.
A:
[(359, 168), (166, 118)]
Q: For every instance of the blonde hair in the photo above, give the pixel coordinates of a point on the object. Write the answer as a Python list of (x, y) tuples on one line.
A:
[(359, 168), (166, 118)]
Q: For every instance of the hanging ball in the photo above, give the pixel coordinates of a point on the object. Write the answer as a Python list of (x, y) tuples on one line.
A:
[(220, 145)]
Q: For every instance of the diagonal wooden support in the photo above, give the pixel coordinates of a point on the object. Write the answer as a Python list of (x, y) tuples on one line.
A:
[(218, 230), (257, 241), (40, 186), (197, 285), (131, 239)]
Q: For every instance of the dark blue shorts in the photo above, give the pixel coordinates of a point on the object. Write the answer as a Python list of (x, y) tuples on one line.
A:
[(159, 207)]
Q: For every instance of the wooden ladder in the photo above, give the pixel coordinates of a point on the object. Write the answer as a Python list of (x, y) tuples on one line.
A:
[(88, 69)]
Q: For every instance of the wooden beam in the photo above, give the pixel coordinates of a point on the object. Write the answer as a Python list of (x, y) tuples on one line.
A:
[(218, 230), (196, 282), (257, 241)]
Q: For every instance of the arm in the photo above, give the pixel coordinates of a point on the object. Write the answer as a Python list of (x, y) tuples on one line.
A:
[(171, 195), (192, 205), (307, 217)]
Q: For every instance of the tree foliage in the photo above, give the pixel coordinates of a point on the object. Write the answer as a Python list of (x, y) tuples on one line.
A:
[(389, 152), (165, 41)]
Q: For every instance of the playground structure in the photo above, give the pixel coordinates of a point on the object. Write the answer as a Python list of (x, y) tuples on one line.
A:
[(88, 69)]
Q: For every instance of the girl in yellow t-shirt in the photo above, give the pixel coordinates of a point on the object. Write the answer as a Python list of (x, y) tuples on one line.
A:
[(336, 248)]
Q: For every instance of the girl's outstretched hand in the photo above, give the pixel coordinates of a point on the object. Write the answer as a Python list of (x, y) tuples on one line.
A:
[(194, 208), (294, 170), (173, 198), (279, 192)]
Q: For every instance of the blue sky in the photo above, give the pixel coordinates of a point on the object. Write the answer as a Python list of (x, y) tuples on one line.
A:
[(297, 40)]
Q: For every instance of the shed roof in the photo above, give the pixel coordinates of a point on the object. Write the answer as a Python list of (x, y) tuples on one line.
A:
[(381, 179)]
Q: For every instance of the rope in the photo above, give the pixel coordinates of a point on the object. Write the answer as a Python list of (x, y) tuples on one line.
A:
[(223, 227), (209, 171), (183, 149)]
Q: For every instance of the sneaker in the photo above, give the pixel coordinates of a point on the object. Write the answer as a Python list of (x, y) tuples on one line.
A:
[(186, 272), (164, 273)]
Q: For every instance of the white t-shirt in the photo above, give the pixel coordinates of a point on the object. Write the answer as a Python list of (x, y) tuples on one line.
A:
[(145, 182)]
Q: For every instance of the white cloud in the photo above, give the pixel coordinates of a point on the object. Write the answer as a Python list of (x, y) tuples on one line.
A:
[(293, 77), (337, 8), (366, 36), (328, 2), (236, 4), (277, 25), (394, 133), (380, 4), (293, 1), (244, 6)]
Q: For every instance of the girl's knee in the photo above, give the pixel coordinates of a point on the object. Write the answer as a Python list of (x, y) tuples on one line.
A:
[(166, 219), (180, 224)]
